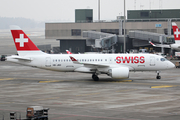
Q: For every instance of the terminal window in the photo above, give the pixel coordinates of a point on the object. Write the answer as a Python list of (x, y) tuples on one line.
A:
[(144, 14), (111, 31), (76, 32)]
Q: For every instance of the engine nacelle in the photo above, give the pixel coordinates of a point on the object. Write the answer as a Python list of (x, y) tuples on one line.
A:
[(175, 46), (119, 73)]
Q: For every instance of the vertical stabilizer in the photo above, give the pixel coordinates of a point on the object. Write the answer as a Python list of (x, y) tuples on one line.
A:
[(176, 33), (23, 43)]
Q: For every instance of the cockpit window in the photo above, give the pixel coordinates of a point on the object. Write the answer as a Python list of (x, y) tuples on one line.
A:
[(163, 59)]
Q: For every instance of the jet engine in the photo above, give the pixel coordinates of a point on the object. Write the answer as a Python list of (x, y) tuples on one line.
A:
[(175, 46), (119, 73)]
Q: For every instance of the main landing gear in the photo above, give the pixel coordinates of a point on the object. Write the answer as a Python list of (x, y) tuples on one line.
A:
[(95, 77), (158, 76)]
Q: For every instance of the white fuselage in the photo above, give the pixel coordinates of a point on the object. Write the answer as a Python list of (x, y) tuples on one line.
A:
[(63, 63)]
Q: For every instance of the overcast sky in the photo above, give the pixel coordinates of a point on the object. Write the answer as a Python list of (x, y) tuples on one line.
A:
[(64, 10)]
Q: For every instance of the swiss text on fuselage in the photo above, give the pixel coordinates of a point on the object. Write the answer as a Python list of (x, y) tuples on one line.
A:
[(130, 59)]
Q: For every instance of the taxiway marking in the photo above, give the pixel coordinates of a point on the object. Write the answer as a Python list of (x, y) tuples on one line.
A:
[(50, 81), (6, 79), (163, 86)]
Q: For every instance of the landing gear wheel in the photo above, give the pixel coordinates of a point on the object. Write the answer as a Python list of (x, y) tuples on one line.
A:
[(95, 77), (158, 76)]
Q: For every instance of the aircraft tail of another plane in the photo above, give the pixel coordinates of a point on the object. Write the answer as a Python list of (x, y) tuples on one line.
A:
[(176, 33), (68, 52), (23, 43)]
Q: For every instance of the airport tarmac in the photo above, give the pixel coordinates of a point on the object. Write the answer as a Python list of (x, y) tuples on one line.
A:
[(75, 96)]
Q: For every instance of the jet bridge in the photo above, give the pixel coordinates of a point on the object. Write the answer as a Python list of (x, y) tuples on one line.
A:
[(142, 38), (101, 40)]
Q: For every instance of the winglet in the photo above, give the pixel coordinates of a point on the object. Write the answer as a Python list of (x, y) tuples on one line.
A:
[(152, 43), (74, 60), (68, 52)]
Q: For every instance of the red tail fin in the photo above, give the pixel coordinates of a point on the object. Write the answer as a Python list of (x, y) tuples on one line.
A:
[(23, 43), (176, 32)]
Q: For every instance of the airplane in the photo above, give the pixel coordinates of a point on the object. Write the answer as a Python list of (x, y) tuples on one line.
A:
[(176, 45), (68, 52), (117, 66)]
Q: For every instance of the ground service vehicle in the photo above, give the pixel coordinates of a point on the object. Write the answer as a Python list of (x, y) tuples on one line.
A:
[(37, 113)]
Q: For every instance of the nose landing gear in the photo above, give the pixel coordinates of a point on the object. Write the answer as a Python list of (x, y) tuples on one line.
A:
[(158, 76)]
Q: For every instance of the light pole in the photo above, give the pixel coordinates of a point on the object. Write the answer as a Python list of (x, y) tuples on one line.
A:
[(124, 27), (99, 10)]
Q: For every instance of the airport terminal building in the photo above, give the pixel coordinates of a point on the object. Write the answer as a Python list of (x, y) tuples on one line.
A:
[(141, 26)]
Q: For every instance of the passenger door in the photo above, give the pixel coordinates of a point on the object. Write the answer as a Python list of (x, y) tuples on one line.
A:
[(48, 62), (152, 61)]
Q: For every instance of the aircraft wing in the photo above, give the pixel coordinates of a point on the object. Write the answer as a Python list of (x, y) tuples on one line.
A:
[(90, 65), (68, 52), (19, 58), (162, 45), (94, 66), (159, 45)]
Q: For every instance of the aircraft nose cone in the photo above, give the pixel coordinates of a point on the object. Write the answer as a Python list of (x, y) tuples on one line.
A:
[(171, 65)]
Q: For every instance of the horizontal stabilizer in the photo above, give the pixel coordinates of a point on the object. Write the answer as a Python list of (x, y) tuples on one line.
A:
[(160, 45), (20, 58)]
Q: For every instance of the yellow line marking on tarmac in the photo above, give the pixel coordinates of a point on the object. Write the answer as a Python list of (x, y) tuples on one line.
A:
[(163, 86), (7, 103), (123, 81), (6, 79), (49, 81)]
